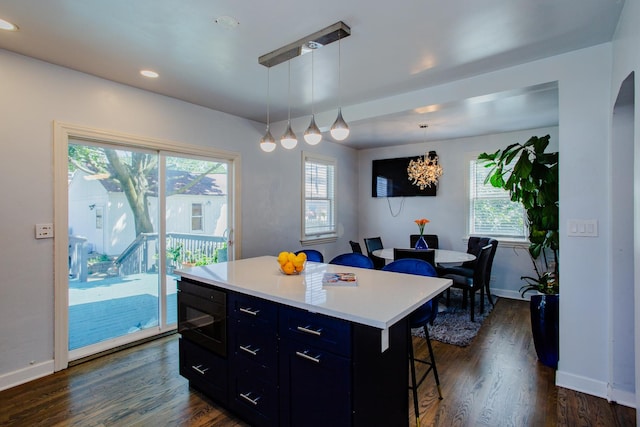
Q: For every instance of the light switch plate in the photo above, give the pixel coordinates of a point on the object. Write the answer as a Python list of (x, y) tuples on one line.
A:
[(583, 227), (44, 231)]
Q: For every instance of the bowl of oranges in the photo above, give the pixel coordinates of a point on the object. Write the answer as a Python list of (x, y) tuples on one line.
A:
[(291, 263)]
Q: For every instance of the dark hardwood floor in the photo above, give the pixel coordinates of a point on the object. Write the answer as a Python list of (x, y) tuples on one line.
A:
[(496, 381)]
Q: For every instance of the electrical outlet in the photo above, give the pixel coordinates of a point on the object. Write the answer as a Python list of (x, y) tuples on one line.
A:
[(44, 231)]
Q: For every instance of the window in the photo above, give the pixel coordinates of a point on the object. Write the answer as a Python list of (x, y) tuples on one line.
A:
[(491, 211), (99, 218), (319, 205), (196, 217)]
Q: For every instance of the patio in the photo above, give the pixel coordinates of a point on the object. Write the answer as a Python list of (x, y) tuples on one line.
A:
[(104, 307)]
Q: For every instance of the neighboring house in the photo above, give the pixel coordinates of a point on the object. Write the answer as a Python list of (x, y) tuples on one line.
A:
[(100, 212)]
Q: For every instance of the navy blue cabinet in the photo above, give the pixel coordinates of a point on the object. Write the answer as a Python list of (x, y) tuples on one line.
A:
[(289, 367), (253, 329), (315, 369), (205, 370)]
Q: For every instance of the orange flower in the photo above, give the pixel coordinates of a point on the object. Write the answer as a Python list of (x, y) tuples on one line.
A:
[(421, 223)]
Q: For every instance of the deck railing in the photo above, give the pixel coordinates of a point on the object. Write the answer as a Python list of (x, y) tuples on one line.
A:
[(141, 256)]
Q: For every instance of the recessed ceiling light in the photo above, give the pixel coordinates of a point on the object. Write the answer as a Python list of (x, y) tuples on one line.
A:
[(149, 73), (227, 22), (6, 25)]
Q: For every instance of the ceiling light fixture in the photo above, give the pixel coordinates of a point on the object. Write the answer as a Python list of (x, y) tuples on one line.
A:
[(312, 135), (340, 128), (267, 143), (149, 73), (289, 139), (307, 44), (425, 172), (7, 26)]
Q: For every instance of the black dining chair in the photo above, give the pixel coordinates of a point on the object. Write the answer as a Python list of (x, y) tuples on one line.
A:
[(420, 318), (474, 245), (428, 255), (353, 260), (373, 244), (355, 247), (431, 239), (312, 255), (471, 285)]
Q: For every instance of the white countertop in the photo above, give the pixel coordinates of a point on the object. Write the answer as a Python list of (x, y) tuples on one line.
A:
[(380, 299)]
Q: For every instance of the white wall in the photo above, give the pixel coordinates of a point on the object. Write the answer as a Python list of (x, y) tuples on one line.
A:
[(626, 59), (584, 82), (393, 218), (35, 94)]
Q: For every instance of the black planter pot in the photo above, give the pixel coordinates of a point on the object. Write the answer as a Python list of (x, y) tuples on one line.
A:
[(544, 326)]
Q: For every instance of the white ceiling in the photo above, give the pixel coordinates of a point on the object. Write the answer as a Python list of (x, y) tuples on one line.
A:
[(394, 47)]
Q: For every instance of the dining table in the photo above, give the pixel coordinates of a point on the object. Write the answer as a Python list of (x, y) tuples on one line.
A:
[(442, 256)]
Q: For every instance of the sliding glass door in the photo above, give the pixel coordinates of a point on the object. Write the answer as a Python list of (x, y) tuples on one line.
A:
[(135, 215)]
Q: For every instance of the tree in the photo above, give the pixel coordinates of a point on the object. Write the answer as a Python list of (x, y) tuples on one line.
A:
[(135, 173)]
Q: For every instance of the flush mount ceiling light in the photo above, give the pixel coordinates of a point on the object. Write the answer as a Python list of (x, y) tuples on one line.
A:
[(149, 73), (307, 44), (424, 172), (7, 26)]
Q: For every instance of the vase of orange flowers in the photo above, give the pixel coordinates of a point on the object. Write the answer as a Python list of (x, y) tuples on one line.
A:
[(421, 243)]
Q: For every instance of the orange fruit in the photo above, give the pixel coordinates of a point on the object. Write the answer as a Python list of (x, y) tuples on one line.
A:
[(288, 268), (283, 257)]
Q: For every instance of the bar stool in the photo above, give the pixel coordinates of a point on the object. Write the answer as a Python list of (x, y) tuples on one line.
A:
[(420, 318)]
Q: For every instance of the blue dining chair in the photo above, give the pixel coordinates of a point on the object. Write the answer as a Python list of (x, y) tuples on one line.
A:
[(420, 318), (353, 260), (312, 255)]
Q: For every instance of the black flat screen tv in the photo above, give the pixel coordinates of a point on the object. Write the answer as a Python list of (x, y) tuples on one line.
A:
[(389, 179)]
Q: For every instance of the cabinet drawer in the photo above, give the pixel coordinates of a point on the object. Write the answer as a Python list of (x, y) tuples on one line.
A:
[(204, 370), (255, 346), (255, 399), (256, 311), (315, 329)]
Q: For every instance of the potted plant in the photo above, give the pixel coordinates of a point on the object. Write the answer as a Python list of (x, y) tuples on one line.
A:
[(530, 175)]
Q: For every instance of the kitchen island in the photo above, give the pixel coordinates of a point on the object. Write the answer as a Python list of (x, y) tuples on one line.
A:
[(297, 352)]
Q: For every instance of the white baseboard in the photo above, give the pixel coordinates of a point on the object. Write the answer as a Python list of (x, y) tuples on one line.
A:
[(25, 375), (622, 397), (506, 293), (581, 384), (595, 388)]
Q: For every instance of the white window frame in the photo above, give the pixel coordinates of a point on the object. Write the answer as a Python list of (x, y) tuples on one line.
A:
[(201, 216), (469, 213), (325, 236)]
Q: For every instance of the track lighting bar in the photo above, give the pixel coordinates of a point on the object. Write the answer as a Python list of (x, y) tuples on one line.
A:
[(326, 36)]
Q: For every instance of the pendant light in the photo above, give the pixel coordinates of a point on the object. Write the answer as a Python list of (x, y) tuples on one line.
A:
[(267, 143), (312, 135), (340, 128), (289, 139)]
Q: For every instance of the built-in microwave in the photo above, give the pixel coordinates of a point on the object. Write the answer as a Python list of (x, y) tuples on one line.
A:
[(202, 315)]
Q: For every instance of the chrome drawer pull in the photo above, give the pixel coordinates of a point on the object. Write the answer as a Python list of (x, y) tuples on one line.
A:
[(198, 370), (310, 331), (249, 311), (250, 400), (306, 356), (248, 350)]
